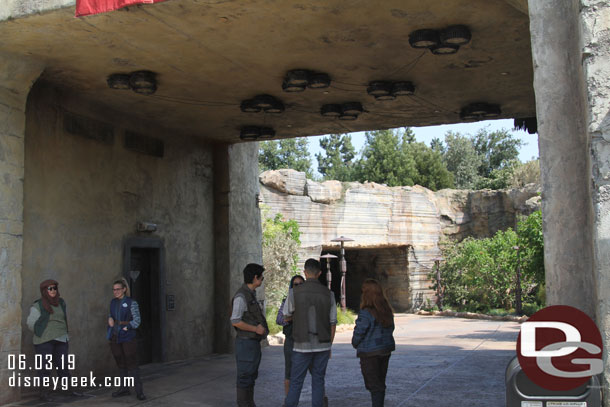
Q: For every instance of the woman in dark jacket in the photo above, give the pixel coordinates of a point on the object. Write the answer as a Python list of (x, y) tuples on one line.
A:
[(288, 340), (123, 320), (373, 339), (48, 320)]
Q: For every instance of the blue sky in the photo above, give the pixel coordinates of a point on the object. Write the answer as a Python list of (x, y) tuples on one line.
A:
[(529, 149)]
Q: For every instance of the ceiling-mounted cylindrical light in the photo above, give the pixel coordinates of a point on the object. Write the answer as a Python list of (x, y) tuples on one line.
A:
[(351, 108), (425, 38), (403, 88), (266, 133), (444, 49), (477, 108), (331, 110), (348, 117), (250, 133), (455, 34), (264, 101), (118, 81), (296, 80), (276, 107), (465, 114), (379, 88), (318, 81), (143, 82), (492, 111), (249, 106)]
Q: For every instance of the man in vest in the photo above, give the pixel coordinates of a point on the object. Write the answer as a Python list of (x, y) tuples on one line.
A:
[(311, 307), (250, 325)]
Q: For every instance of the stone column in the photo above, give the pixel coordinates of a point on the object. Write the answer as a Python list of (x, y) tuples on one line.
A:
[(571, 50), (16, 79), (564, 153), (595, 42), (237, 232)]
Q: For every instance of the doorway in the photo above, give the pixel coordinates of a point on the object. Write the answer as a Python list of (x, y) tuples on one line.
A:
[(143, 268)]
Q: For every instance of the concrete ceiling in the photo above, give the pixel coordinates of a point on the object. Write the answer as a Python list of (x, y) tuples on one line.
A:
[(211, 55)]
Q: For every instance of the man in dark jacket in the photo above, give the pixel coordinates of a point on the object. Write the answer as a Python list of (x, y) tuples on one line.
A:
[(313, 311), (248, 319)]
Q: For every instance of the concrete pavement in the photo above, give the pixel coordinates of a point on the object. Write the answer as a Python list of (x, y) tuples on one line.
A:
[(438, 362)]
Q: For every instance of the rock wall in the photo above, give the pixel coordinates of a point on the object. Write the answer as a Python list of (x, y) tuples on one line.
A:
[(413, 220)]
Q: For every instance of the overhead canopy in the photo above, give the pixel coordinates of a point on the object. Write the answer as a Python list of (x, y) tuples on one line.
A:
[(209, 56)]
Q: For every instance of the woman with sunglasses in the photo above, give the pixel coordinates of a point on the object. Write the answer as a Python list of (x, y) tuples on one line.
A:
[(48, 321), (123, 320)]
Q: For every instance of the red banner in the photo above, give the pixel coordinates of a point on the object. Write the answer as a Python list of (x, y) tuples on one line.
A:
[(89, 7)]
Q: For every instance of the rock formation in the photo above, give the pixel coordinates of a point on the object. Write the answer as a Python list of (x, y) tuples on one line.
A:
[(396, 230)]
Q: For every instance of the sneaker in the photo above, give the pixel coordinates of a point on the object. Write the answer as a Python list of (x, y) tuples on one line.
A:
[(121, 392)]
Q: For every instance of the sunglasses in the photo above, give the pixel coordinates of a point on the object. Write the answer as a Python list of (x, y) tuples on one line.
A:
[(295, 284), (118, 289), (51, 288)]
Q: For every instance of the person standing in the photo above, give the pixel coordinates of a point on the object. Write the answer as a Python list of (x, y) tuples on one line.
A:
[(313, 311), (123, 320), (373, 339), (48, 320), (287, 331), (248, 319)]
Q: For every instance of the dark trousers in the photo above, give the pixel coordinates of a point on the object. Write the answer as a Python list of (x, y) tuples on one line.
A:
[(126, 357), (248, 358), (57, 350), (374, 370), (125, 354)]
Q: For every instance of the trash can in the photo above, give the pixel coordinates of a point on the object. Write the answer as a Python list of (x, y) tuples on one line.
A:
[(522, 392)]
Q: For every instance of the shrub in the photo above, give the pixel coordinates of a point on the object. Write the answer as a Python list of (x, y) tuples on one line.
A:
[(347, 317), (270, 316), (479, 274)]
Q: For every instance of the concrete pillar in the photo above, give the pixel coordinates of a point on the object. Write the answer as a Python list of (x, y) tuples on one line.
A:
[(564, 153), (571, 50), (595, 27), (16, 79), (237, 231)]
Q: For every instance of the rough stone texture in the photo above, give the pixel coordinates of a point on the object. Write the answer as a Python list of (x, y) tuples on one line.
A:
[(285, 180), (595, 23), (10, 9), (564, 153), (83, 198), (404, 224), (16, 79), (325, 192)]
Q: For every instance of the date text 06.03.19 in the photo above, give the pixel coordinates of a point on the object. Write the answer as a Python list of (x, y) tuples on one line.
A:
[(41, 362)]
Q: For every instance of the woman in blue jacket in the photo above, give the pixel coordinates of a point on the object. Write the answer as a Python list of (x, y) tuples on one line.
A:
[(373, 339), (123, 320)]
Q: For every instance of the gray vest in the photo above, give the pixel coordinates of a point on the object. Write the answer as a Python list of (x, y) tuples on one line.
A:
[(253, 314), (311, 293)]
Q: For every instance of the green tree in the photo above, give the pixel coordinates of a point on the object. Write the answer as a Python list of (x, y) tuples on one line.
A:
[(286, 153), (462, 160), (437, 145), (337, 163), (431, 171), (280, 245), (498, 149), (525, 173), (480, 274), (386, 159)]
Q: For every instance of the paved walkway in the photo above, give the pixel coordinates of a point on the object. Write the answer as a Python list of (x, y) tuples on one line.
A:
[(438, 362)]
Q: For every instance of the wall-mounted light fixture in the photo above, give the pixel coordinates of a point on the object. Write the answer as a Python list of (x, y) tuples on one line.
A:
[(442, 42), (297, 80), (143, 82), (147, 227), (267, 103), (252, 133), (479, 111)]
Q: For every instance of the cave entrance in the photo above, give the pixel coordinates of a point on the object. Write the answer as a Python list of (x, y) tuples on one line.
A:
[(388, 265)]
